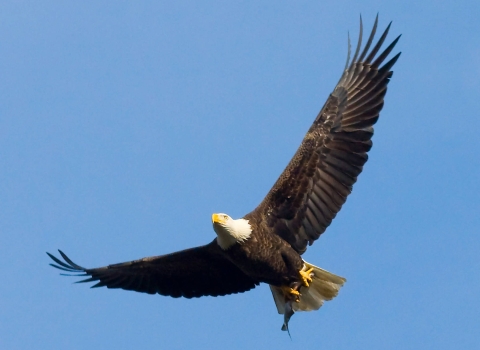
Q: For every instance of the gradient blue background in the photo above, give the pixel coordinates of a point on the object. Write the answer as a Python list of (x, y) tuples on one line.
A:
[(124, 125)]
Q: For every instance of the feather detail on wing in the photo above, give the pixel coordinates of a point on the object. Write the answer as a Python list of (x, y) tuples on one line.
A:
[(189, 273), (318, 179)]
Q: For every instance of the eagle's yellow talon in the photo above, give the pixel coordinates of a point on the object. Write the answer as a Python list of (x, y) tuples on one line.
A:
[(289, 292), (305, 275)]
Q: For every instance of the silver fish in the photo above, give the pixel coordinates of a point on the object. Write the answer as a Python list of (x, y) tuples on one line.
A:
[(287, 315)]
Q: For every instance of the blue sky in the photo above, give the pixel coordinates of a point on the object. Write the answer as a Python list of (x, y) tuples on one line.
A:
[(124, 125)]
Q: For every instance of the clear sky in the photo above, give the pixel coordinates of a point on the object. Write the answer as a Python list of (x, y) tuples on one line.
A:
[(124, 125)]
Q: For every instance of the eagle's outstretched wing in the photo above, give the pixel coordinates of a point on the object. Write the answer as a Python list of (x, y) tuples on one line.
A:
[(318, 179), (188, 273)]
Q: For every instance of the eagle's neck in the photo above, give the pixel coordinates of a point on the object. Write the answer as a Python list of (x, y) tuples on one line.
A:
[(233, 231)]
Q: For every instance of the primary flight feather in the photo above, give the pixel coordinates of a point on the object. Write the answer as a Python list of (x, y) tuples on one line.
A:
[(266, 244)]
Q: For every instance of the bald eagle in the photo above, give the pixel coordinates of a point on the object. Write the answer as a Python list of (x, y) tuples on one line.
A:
[(267, 244)]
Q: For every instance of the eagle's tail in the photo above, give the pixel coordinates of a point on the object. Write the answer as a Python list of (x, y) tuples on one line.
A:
[(324, 286)]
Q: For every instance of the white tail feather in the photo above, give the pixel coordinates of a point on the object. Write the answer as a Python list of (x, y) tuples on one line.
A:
[(324, 286)]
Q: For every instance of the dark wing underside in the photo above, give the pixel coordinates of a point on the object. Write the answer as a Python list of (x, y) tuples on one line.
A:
[(188, 273), (318, 179)]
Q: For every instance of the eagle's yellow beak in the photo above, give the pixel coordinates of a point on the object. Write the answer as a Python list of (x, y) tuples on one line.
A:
[(218, 219)]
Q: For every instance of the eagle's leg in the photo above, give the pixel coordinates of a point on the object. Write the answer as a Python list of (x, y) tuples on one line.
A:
[(306, 275), (290, 293)]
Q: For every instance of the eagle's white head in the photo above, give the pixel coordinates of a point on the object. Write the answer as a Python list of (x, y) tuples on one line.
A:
[(230, 231)]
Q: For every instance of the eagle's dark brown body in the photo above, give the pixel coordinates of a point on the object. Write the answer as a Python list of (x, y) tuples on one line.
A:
[(265, 256)]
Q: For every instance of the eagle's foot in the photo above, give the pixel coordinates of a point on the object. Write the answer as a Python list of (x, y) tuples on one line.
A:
[(290, 293), (306, 276)]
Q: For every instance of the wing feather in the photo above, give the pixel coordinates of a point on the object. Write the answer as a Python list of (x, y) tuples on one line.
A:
[(318, 179), (189, 273), (370, 40)]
